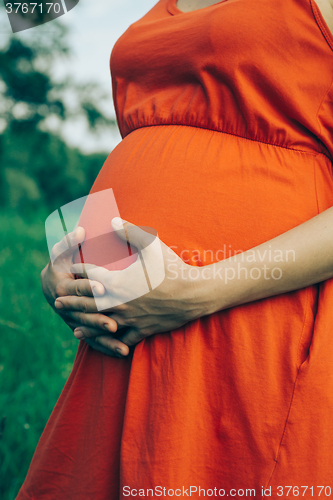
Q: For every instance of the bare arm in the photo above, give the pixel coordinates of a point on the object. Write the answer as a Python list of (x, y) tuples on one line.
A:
[(305, 257), (295, 259)]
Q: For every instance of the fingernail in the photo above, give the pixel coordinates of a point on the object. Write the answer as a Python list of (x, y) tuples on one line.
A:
[(116, 221), (119, 351), (97, 291), (58, 304), (78, 334), (107, 327)]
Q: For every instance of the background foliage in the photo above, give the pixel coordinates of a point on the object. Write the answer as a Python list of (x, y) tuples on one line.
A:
[(38, 173)]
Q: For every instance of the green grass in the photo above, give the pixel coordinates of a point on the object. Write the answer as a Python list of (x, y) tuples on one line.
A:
[(36, 348)]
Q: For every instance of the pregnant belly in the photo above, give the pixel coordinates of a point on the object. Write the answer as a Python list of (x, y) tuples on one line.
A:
[(209, 194)]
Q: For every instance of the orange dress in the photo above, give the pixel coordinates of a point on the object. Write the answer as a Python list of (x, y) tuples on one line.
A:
[(226, 115)]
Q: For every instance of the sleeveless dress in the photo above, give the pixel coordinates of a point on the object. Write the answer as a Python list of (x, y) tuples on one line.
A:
[(226, 115)]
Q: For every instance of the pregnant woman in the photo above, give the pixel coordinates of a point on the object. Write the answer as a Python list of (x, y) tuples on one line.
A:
[(224, 381)]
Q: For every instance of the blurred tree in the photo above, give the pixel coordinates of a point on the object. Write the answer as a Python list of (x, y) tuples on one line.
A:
[(28, 91), (38, 173), (36, 165)]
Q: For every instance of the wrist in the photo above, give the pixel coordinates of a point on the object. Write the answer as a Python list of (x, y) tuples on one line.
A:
[(227, 284), (209, 289)]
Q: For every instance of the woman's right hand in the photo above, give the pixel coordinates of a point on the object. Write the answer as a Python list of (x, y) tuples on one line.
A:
[(58, 281)]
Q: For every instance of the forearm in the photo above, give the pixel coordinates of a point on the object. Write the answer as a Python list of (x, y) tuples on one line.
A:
[(296, 259)]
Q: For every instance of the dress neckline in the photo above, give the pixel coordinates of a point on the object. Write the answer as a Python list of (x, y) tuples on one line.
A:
[(173, 9)]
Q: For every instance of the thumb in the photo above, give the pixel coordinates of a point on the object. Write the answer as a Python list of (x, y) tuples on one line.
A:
[(137, 236)]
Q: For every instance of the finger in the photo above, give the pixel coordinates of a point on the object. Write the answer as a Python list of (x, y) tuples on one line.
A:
[(98, 324), (134, 235), (117, 347), (132, 337), (104, 324), (87, 332), (120, 320), (76, 303), (85, 304), (84, 287), (114, 345), (95, 272), (65, 248)]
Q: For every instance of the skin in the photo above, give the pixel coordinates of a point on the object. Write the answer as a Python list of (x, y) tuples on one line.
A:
[(184, 296), (177, 301), (189, 5), (326, 8), (58, 281)]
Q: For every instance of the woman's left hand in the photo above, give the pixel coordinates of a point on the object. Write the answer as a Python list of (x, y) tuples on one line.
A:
[(154, 294)]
